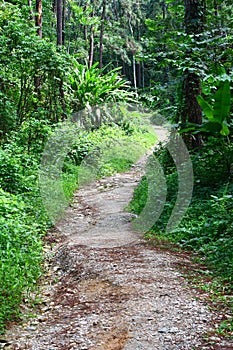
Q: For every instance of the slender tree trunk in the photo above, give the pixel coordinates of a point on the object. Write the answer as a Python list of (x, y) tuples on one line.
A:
[(164, 9), (133, 60), (134, 73), (63, 21), (102, 33), (143, 75), (59, 22), (139, 74), (38, 18), (91, 48), (138, 64), (91, 45)]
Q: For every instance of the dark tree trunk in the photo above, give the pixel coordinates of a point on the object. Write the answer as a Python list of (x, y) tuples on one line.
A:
[(195, 11), (102, 33), (38, 18), (192, 113), (59, 21)]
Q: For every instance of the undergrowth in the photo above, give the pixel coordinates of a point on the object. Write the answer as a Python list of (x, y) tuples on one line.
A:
[(207, 226)]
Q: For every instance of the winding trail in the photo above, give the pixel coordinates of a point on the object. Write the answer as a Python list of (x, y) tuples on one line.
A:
[(107, 289)]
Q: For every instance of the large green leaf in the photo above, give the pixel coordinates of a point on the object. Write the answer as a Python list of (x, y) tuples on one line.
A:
[(206, 107), (222, 102), (211, 127)]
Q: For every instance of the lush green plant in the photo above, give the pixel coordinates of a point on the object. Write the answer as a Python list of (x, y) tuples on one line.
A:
[(92, 86), (207, 226), (20, 254), (217, 115)]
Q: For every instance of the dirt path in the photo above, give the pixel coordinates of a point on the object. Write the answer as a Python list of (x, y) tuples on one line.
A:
[(106, 289)]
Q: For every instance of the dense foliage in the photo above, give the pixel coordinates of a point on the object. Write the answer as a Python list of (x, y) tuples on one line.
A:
[(208, 223)]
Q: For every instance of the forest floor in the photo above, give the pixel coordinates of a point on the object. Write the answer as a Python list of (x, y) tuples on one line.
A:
[(106, 288)]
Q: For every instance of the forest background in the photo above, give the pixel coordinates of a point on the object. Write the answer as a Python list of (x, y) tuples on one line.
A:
[(60, 57)]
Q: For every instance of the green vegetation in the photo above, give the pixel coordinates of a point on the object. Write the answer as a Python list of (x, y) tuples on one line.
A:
[(208, 223)]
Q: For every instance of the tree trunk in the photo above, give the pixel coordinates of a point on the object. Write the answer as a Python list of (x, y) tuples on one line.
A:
[(192, 110), (91, 45), (102, 33), (59, 21), (192, 113), (133, 60), (63, 21), (143, 75), (139, 74), (134, 74), (91, 48), (38, 18)]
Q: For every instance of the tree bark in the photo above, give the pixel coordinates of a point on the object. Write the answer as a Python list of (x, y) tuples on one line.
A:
[(38, 18), (192, 113), (192, 110), (63, 21), (59, 21)]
